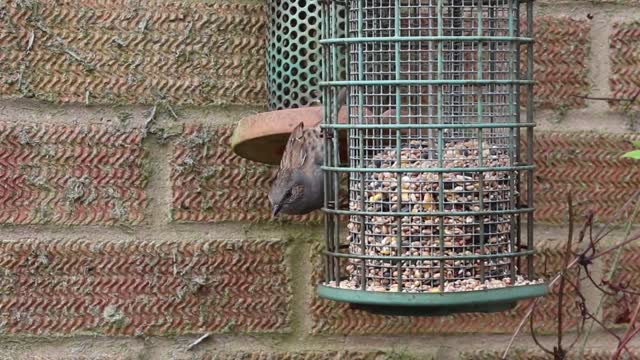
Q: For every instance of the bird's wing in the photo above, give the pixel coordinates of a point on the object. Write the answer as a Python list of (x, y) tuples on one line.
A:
[(305, 147), (294, 153), (314, 145)]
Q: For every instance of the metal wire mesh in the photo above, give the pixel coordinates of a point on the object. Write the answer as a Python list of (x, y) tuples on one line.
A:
[(435, 165), (293, 52)]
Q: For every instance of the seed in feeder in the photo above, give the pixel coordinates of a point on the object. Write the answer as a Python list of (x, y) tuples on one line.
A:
[(421, 234)]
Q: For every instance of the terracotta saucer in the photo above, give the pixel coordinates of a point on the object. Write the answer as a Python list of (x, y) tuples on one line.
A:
[(262, 137)]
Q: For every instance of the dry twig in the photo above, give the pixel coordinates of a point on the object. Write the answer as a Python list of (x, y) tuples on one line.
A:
[(608, 286), (198, 341)]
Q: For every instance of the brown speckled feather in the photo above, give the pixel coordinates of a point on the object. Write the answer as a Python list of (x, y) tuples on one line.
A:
[(299, 184), (304, 145)]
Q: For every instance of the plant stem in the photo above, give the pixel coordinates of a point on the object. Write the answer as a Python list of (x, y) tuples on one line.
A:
[(629, 334), (610, 275), (564, 273), (601, 234)]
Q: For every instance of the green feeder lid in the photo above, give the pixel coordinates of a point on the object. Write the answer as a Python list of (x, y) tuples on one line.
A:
[(434, 304)]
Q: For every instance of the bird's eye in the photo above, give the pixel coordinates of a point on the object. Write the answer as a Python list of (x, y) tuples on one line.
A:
[(287, 194)]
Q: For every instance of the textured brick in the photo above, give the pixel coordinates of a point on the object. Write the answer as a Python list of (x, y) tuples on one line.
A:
[(153, 287), (91, 354), (330, 317), (133, 52), (534, 355), (70, 175), (211, 183), (588, 165), (22, 355), (625, 62), (560, 61), (195, 53), (297, 355)]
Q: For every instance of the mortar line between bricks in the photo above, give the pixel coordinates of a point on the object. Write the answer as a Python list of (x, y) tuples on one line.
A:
[(307, 290), (300, 272), (445, 346), (158, 189), (599, 62), (29, 111)]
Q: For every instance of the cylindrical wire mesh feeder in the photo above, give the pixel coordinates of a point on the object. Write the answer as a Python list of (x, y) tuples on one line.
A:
[(436, 172)]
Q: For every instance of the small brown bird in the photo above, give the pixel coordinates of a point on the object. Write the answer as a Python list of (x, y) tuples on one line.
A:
[(299, 185)]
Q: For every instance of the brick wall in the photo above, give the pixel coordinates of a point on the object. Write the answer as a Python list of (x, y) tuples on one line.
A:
[(129, 228)]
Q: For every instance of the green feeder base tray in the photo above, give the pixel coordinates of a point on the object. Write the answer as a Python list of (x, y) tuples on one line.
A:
[(434, 304)]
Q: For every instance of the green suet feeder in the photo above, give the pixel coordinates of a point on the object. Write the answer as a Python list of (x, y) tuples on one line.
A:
[(294, 60), (434, 221)]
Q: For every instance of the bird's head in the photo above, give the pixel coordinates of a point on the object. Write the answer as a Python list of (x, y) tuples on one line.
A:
[(287, 193), (299, 184)]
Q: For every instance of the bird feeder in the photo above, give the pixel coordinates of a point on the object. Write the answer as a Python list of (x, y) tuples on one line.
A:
[(293, 52), (436, 221), (294, 67)]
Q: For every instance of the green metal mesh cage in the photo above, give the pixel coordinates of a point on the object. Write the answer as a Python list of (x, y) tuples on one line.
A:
[(294, 62), (436, 172)]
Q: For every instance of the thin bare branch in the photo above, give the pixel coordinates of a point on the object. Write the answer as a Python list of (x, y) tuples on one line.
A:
[(583, 318), (615, 247), (613, 267), (151, 118), (198, 341), (564, 272), (535, 338), (629, 333), (530, 308), (607, 229)]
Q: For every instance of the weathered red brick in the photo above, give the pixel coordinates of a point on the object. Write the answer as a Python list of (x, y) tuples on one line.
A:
[(53, 286), (587, 165), (560, 61), (538, 354), (92, 354), (297, 355), (624, 44), (61, 355), (185, 52), (330, 317), (63, 174), (211, 183)]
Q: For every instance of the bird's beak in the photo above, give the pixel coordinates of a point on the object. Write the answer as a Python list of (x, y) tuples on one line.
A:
[(276, 209)]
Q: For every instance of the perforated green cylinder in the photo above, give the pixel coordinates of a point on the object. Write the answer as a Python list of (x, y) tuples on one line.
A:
[(294, 61)]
